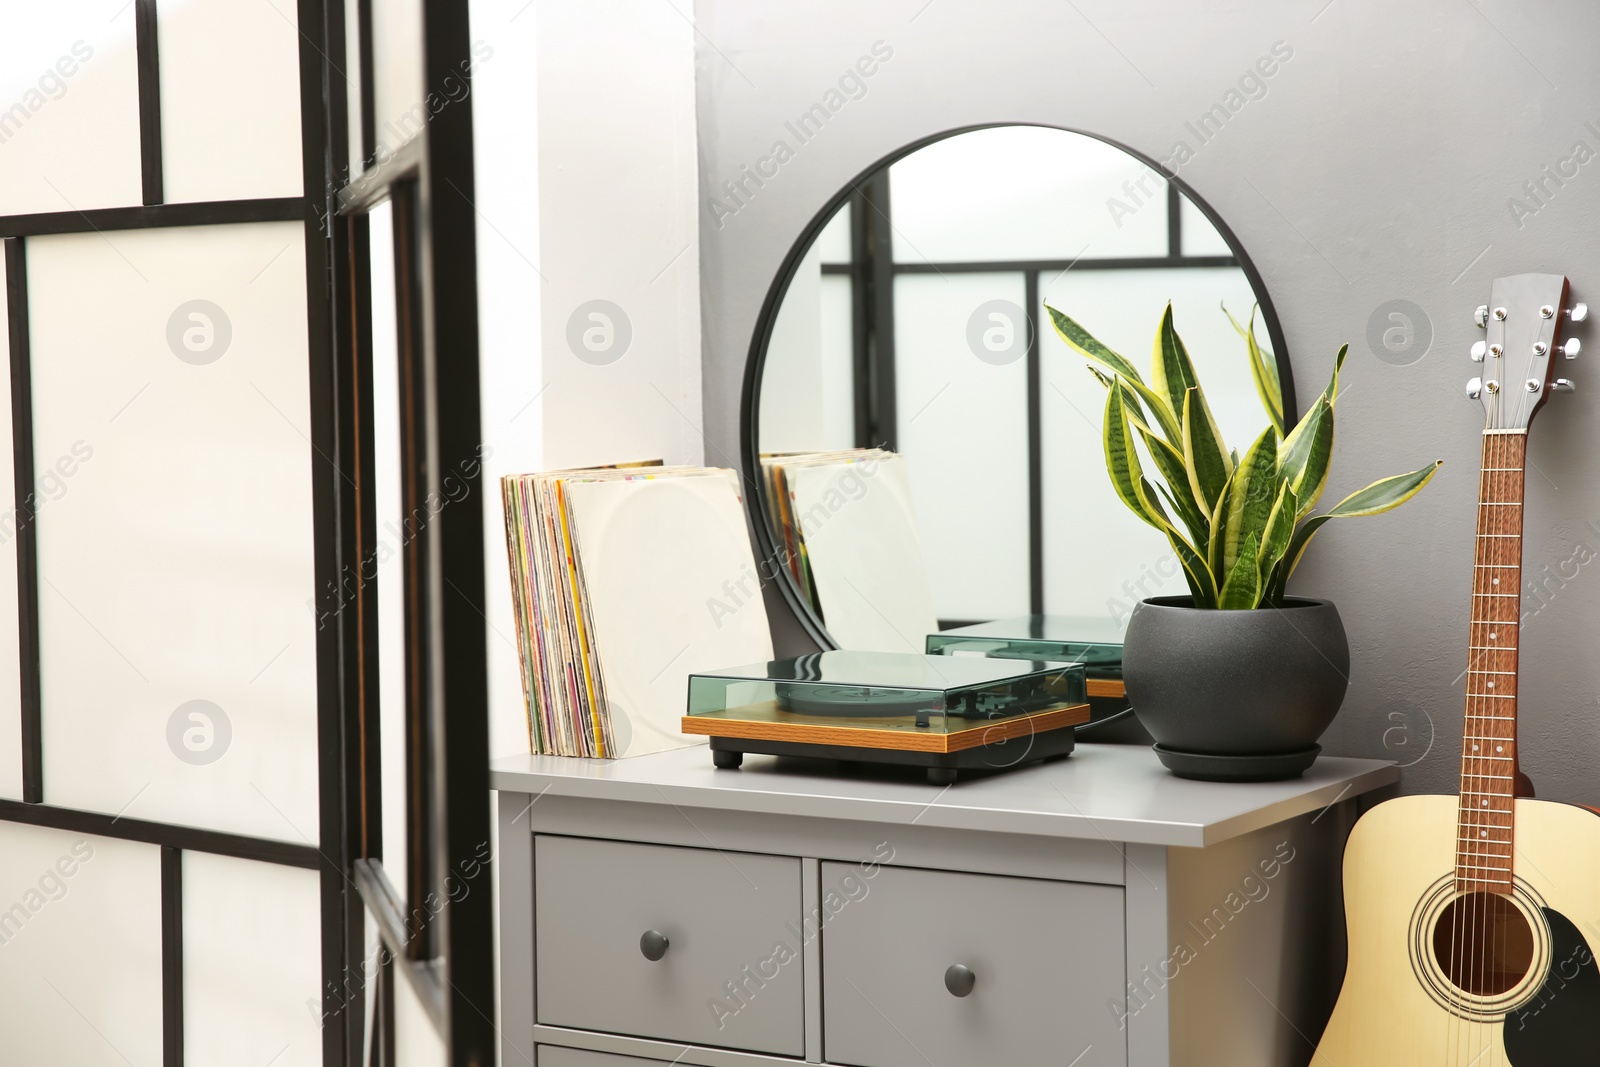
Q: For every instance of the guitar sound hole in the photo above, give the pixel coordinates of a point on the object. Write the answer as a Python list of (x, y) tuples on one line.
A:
[(1484, 943)]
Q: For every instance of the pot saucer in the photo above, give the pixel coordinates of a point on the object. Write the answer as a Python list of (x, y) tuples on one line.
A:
[(1206, 767)]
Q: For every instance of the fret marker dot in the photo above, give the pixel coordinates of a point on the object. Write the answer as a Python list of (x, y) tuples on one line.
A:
[(1491, 685), (1485, 833), (1474, 748), (1491, 637), (1486, 803), (1498, 748), (1497, 581)]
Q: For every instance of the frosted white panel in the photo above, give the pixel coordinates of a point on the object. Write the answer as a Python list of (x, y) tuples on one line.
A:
[(838, 361), (833, 243), (252, 964), (80, 949), (792, 409), (400, 105), (963, 428), (1099, 559), (352, 85), (1024, 192), (177, 605), (416, 1042), (372, 956), (230, 99), (69, 107), (807, 382), (391, 545), (1200, 238), (10, 674)]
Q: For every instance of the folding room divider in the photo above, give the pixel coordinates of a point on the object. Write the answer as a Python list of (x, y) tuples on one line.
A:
[(231, 700)]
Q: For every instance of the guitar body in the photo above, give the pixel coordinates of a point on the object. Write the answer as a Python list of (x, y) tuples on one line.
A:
[(1397, 1007)]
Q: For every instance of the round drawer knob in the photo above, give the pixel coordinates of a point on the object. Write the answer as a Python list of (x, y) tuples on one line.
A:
[(653, 943), (959, 979)]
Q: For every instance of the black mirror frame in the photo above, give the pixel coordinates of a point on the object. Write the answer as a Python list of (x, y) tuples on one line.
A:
[(767, 541)]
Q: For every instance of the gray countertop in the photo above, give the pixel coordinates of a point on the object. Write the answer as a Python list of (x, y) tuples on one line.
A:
[(1119, 793)]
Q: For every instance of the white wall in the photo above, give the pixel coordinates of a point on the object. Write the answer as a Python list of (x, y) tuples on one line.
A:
[(586, 187), (619, 223), (504, 100)]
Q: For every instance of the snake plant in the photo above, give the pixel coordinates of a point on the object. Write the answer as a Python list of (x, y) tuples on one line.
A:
[(1239, 525)]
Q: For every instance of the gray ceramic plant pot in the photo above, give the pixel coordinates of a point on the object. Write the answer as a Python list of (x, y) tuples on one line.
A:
[(1236, 695)]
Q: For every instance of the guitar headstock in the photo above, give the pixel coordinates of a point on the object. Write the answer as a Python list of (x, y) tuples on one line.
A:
[(1522, 348)]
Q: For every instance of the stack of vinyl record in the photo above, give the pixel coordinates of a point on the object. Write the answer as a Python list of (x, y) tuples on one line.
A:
[(626, 580), (848, 534)]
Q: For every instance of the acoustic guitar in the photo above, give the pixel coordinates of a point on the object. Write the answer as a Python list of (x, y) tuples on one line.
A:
[(1474, 919)]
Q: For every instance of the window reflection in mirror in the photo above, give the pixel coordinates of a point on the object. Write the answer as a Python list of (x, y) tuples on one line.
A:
[(932, 457)]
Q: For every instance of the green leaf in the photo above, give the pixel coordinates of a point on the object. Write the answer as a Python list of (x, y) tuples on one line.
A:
[(1089, 345), (1127, 476), (1171, 372), (1247, 503), (1263, 368), (1086, 344), (1279, 531), (1122, 463), (1169, 461), (1202, 586), (1386, 494), (1242, 590), (1296, 549), (1204, 454), (1307, 453), (1332, 392)]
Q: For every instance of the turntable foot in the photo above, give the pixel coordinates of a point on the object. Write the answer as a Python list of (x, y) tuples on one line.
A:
[(727, 760), (942, 775)]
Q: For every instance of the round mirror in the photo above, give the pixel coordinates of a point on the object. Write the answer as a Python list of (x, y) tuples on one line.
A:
[(930, 449)]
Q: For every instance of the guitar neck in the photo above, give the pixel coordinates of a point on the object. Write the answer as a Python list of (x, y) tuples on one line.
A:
[(1489, 740)]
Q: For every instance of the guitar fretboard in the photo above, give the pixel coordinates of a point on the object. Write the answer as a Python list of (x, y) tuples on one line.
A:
[(1489, 740)]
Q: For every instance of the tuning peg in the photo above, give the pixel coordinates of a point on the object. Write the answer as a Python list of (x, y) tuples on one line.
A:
[(1571, 347), (1562, 385), (1481, 316), (1474, 388), (1578, 312), (1478, 349)]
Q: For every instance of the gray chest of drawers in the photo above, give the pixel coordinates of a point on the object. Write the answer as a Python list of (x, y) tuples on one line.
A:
[(1093, 912)]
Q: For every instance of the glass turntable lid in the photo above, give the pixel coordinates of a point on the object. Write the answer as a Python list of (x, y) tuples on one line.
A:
[(886, 690), (1093, 641)]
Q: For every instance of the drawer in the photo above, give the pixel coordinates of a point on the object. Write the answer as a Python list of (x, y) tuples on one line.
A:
[(556, 1056), (1046, 958), (730, 974)]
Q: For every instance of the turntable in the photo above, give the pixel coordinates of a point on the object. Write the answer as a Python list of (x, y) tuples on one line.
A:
[(946, 714)]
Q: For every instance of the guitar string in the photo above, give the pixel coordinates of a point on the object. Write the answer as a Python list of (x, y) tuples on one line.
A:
[(1462, 920), (1452, 1018), (1480, 907), (1509, 466), (1454, 1026), (1470, 943), (1474, 903), (1471, 903), (1477, 902), (1517, 447), (1527, 402)]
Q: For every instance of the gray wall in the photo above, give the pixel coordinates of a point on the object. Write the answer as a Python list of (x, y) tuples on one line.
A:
[(1378, 166)]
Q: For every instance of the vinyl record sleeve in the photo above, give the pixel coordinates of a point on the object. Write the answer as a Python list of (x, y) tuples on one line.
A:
[(864, 552), (668, 587)]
